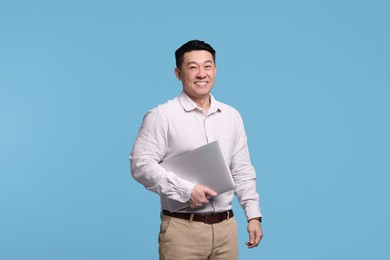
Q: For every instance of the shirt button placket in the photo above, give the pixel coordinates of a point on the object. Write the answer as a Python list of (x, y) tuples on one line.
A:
[(208, 130)]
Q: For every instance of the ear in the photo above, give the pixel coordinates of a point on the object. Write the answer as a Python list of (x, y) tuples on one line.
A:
[(177, 74)]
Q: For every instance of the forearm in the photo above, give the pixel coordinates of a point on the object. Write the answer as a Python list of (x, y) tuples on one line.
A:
[(156, 179), (245, 179), (249, 199), (149, 149)]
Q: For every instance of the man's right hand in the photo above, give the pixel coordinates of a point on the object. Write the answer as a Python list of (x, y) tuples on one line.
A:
[(199, 196)]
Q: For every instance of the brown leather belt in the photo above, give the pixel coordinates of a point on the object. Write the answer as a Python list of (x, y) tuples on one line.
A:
[(212, 218)]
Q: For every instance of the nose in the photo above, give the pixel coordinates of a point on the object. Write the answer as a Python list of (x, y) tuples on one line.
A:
[(201, 73)]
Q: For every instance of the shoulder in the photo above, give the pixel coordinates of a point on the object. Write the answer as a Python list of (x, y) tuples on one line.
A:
[(228, 109), (170, 104), (165, 109)]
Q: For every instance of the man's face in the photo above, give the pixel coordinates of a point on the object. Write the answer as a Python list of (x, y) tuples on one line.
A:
[(197, 74)]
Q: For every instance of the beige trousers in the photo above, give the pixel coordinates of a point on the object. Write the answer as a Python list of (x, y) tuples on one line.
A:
[(181, 239)]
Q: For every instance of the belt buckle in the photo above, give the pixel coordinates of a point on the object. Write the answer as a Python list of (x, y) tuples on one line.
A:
[(206, 219)]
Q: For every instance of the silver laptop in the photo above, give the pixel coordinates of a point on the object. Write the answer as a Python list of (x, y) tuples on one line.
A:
[(205, 165)]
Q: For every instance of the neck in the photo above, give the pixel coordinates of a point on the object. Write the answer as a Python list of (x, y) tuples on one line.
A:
[(203, 103)]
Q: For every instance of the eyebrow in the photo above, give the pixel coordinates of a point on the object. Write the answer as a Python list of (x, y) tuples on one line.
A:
[(193, 62)]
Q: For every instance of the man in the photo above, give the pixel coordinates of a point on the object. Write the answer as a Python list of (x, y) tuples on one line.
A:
[(206, 229)]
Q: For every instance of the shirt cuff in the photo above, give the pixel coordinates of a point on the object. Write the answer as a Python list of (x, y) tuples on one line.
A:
[(252, 211), (185, 191)]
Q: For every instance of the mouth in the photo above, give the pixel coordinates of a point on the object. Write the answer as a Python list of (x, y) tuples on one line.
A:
[(201, 83)]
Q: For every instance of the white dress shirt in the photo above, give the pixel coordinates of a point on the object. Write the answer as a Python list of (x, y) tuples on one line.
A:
[(179, 126)]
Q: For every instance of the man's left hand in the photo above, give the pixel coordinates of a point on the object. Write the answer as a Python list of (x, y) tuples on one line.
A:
[(255, 233)]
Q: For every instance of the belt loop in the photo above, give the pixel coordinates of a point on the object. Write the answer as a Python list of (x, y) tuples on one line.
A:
[(191, 217), (227, 213)]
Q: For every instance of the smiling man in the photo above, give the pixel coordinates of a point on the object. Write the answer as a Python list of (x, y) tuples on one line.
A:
[(206, 229)]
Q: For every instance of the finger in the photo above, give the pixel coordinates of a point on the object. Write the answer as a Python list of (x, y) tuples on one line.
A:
[(249, 245), (204, 200), (254, 244), (196, 203), (251, 242), (252, 237), (258, 238), (209, 192)]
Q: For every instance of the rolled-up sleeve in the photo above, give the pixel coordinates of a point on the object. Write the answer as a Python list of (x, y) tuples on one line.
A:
[(149, 149)]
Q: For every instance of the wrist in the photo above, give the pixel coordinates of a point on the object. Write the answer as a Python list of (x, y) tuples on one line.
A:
[(257, 218)]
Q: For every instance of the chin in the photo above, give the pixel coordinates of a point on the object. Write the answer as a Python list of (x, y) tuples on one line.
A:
[(203, 93)]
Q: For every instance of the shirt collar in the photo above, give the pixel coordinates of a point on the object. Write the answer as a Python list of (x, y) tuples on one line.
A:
[(190, 105)]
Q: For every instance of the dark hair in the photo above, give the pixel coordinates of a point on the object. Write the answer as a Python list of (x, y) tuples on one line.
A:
[(194, 45)]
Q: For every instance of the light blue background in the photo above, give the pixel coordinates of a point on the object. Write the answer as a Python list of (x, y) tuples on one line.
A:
[(310, 78)]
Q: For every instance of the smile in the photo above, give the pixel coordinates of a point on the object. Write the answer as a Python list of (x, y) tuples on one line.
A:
[(201, 83)]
